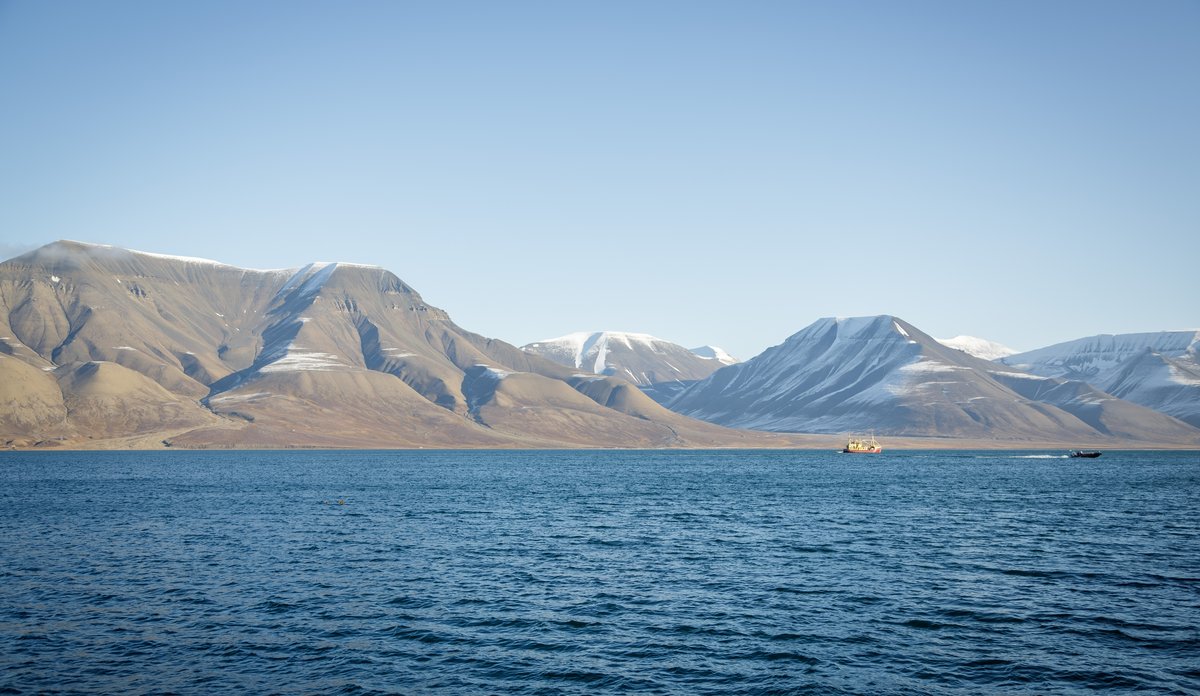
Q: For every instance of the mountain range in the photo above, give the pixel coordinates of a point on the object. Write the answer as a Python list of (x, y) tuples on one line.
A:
[(101, 346), (883, 374), (1159, 370)]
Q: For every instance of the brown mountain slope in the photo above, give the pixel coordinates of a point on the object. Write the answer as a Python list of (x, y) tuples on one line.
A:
[(31, 403), (336, 355), (104, 397)]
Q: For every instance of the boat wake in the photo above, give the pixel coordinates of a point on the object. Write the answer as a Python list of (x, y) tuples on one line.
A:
[(1040, 456)]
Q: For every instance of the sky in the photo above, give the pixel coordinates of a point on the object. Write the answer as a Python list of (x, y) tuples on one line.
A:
[(707, 172)]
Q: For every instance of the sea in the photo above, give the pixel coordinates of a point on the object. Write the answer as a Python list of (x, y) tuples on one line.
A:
[(581, 572)]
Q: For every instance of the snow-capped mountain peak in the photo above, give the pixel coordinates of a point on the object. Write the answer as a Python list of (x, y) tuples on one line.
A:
[(588, 351), (637, 357), (715, 353), (979, 347)]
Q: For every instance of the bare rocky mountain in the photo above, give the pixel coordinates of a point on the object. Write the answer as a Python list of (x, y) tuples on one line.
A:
[(1158, 370), (883, 374), (660, 368), (101, 343)]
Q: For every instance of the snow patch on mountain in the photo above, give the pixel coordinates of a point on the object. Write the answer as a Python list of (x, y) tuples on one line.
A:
[(301, 360), (1180, 375), (587, 377), (601, 353), (854, 327), (929, 366), (308, 280), (229, 398), (1018, 375), (493, 372)]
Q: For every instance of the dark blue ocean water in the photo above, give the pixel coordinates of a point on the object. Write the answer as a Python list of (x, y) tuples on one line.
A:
[(577, 572)]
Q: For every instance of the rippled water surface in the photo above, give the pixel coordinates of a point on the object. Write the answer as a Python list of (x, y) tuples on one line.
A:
[(577, 572)]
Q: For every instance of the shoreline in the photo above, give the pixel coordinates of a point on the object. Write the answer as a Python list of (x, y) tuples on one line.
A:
[(833, 444)]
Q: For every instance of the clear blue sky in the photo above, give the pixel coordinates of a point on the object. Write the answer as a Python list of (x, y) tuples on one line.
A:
[(726, 173)]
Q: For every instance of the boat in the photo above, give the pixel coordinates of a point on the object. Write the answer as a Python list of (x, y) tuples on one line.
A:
[(862, 445), (1080, 454)]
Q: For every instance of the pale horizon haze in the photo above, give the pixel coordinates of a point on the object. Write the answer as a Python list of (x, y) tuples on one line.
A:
[(709, 173)]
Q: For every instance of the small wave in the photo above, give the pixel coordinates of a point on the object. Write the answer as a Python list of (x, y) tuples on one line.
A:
[(981, 616), (927, 625), (801, 591), (802, 548), (790, 636), (576, 676), (576, 623), (410, 601), (607, 542), (276, 606), (422, 636), (693, 630), (1033, 573), (506, 622), (1101, 679), (534, 645), (1174, 579), (783, 655)]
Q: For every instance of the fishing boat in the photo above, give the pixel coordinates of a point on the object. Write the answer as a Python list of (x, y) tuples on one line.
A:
[(862, 445), (1080, 454)]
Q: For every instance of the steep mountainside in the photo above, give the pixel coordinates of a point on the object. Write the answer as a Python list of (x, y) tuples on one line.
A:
[(882, 374), (659, 367), (1157, 370), (103, 343)]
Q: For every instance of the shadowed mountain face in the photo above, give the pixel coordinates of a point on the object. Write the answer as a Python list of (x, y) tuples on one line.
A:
[(883, 374), (1157, 370), (660, 368), (102, 343)]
